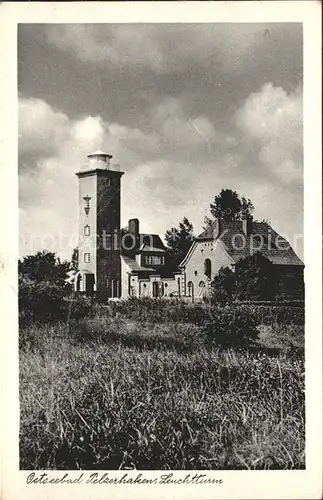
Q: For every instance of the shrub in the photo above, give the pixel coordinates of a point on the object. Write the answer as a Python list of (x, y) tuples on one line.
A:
[(256, 278), (223, 286), (78, 307), (178, 311), (46, 301), (161, 310), (280, 314), (229, 326), (40, 300), (44, 266)]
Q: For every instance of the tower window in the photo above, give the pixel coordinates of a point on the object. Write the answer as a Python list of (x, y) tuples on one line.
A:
[(87, 258), (87, 230), (87, 204)]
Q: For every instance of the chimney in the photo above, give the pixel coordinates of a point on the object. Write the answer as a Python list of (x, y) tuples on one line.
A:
[(217, 227), (133, 227), (247, 225)]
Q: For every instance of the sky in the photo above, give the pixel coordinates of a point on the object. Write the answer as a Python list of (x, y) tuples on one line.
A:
[(185, 109)]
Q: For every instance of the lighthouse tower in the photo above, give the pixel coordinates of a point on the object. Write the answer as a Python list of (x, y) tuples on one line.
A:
[(99, 262)]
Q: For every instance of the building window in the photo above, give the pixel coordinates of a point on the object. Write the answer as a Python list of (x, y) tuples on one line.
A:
[(201, 284), (207, 268), (154, 260), (87, 258), (190, 288), (195, 272), (87, 204), (87, 230)]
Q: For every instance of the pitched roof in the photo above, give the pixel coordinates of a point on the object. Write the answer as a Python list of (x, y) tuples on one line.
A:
[(148, 248), (163, 271), (153, 240), (262, 238), (146, 243), (133, 264)]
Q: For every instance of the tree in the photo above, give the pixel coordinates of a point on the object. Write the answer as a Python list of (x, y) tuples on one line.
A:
[(230, 206), (223, 286), (42, 287), (44, 266), (254, 278), (179, 240)]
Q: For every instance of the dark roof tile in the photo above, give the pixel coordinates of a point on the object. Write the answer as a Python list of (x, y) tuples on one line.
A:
[(262, 239)]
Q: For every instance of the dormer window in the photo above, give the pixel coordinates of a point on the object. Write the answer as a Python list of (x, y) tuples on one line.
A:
[(154, 260), (87, 204)]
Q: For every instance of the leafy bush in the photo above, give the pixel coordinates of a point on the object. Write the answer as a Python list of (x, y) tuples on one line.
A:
[(178, 311), (275, 314), (161, 310), (44, 266), (285, 303), (229, 327), (40, 300), (47, 301), (256, 278), (78, 307), (223, 286)]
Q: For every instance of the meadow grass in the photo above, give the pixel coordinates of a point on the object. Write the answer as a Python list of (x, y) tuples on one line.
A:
[(109, 393)]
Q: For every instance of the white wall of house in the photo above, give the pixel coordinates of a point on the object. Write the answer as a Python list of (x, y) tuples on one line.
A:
[(194, 268), (193, 272), (144, 287), (125, 270)]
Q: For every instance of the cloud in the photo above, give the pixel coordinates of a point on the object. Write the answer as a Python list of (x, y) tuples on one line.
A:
[(156, 189), (163, 48), (173, 170), (271, 120), (41, 129), (52, 147), (186, 109)]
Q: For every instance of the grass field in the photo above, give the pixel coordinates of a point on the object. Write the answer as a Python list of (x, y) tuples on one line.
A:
[(111, 393)]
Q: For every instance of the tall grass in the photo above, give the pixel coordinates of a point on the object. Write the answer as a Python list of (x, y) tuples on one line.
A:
[(109, 393), (170, 311)]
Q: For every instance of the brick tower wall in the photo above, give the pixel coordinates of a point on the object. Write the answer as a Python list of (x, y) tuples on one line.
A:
[(108, 259)]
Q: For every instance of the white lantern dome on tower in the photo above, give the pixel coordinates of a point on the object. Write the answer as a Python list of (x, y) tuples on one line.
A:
[(99, 159)]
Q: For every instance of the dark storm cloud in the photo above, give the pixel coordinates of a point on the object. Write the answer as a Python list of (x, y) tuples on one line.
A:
[(121, 71), (186, 110)]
